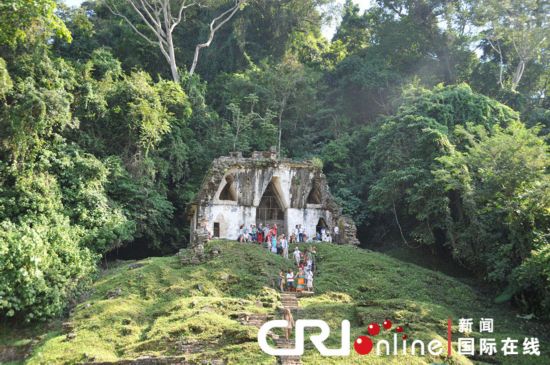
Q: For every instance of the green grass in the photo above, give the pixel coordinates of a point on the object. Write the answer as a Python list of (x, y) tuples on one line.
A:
[(164, 306)]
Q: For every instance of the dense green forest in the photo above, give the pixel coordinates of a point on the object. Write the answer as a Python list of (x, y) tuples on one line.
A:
[(431, 118)]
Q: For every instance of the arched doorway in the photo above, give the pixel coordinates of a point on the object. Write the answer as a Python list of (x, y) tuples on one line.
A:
[(229, 192), (270, 210), (320, 225)]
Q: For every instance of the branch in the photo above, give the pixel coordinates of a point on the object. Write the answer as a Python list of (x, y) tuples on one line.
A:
[(228, 14), (154, 20), (153, 28), (116, 13), (180, 13)]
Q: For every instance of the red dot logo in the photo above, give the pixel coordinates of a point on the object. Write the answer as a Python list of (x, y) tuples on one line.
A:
[(373, 329), (399, 329), (387, 324), (363, 345)]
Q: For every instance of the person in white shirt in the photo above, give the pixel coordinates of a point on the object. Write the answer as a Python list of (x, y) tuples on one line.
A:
[(309, 261), (300, 233), (309, 280), (297, 256), (336, 231), (290, 280), (284, 246)]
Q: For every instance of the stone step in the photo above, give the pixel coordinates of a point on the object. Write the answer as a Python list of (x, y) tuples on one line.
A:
[(284, 342), (290, 360), (254, 319)]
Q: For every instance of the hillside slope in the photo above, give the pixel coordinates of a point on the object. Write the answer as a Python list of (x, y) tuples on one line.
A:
[(156, 307)]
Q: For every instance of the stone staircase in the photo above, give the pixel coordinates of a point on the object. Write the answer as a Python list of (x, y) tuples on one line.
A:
[(255, 319), (287, 360), (290, 301)]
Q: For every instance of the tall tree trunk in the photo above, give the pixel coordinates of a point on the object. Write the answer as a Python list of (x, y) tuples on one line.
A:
[(518, 73), (172, 59), (283, 105)]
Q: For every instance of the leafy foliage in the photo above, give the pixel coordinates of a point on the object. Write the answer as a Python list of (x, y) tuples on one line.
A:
[(503, 184), (22, 19)]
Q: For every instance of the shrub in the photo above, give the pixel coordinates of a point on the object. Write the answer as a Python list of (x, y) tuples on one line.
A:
[(41, 267)]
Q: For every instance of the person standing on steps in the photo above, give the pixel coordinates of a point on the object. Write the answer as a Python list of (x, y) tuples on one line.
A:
[(297, 255), (287, 316), (282, 280), (309, 279), (309, 259), (300, 280), (290, 280), (284, 245), (313, 255)]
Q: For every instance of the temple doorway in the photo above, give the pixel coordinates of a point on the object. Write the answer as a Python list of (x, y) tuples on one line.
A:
[(320, 225), (270, 210)]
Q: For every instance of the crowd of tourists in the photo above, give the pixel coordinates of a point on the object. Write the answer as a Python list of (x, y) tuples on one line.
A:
[(302, 280), (268, 234)]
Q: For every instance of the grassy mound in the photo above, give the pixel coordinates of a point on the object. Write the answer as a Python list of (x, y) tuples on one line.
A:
[(156, 307)]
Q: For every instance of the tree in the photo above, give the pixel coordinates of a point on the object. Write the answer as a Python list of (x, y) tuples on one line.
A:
[(21, 18), (404, 152), (504, 187), (161, 20), (519, 27), (353, 29)]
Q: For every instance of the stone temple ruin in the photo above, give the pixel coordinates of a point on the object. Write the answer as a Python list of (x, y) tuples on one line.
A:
[(265, 189)]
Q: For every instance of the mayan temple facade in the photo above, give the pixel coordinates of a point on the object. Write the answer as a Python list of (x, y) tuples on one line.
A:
[(267, 190)]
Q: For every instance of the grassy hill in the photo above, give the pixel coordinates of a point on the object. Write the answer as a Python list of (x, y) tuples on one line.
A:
[(157, 307)]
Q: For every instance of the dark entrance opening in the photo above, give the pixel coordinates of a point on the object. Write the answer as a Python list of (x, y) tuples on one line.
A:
[(270, 211), (320, 225), (229, 192), (216, 229)]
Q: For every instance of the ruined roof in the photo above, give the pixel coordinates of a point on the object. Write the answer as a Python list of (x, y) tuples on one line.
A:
[(265, 161)]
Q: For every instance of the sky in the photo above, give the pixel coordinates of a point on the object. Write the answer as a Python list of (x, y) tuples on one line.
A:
[(328, 30)]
